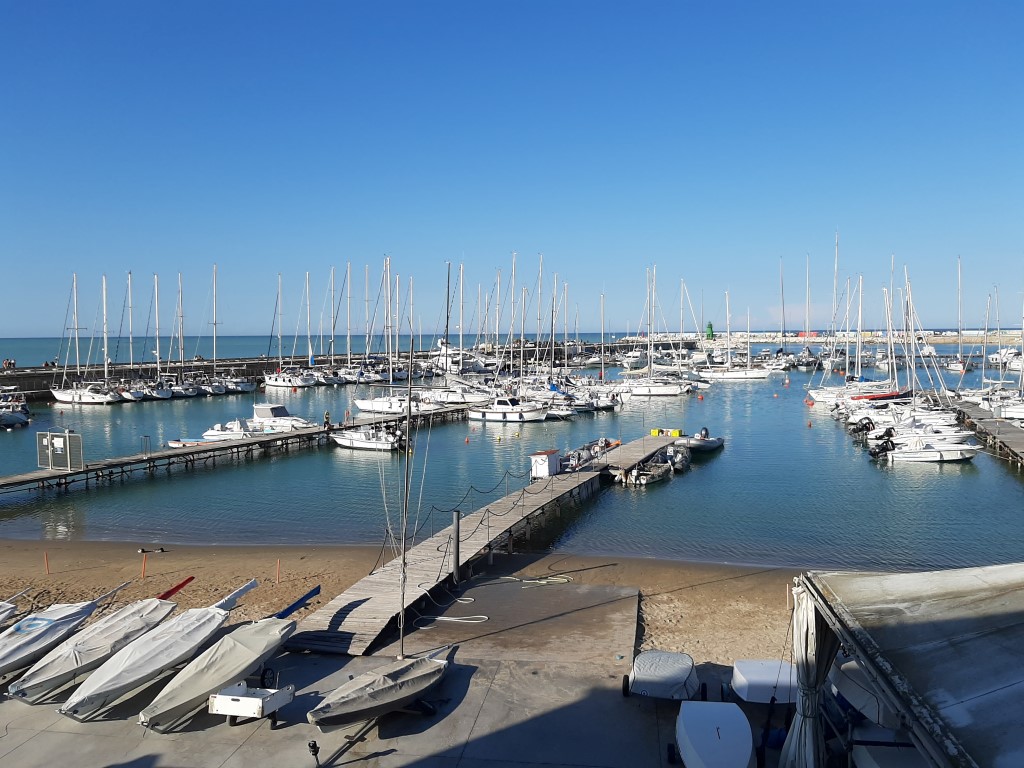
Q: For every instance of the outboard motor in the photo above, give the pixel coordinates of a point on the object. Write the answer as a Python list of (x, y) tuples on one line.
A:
[(881, 449), (864, 425)]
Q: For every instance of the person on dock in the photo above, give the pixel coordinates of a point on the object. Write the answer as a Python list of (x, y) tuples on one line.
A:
[(327, 420)]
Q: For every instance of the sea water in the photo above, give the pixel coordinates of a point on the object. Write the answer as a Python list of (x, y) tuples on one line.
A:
[(791, 488)]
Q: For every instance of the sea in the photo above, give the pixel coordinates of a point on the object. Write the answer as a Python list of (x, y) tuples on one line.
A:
[(790, 489)]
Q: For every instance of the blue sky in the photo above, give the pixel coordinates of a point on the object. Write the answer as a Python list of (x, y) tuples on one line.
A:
[(717, 141)]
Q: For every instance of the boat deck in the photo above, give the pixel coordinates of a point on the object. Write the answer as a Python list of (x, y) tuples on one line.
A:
[(351, 622)]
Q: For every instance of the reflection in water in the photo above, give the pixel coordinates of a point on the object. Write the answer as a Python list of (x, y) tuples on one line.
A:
[(790, 487)]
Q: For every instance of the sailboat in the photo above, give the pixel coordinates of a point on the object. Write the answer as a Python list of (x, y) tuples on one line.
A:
[(731, 372), (395, 685), (283, 378), (80, 391)]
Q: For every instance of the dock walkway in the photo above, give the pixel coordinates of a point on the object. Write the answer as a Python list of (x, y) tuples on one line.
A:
[(351, 622), (207, 453), (1001, 437)]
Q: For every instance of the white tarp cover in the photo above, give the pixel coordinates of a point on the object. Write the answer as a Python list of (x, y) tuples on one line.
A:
[(90, 647), (814, 648), (141, 661), (24, 642), (946, 648), (231, 659), (382, 690), (664, 675)]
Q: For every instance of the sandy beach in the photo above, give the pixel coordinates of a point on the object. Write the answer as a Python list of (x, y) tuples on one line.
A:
[(716, 613)]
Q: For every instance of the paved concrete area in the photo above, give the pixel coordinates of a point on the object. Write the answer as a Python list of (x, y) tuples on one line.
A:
[(537, 683)]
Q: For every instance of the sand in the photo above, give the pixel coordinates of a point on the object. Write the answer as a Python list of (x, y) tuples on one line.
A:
[(716, 613)]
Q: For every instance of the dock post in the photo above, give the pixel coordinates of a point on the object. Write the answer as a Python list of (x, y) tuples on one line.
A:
[(455, 546)]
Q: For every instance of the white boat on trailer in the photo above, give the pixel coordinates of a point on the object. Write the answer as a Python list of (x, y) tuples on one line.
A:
[(395, 686)]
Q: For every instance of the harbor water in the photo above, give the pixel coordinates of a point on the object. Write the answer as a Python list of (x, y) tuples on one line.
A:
[(791, 488)]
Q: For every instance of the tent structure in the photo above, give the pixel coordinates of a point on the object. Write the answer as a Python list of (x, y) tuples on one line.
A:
[(945, 650)]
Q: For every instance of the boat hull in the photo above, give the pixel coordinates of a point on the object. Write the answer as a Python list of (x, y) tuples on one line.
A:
[(383, 690)]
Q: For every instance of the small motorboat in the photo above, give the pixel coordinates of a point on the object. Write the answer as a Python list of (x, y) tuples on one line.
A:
[(390, 688), (372, 437), (505, 409), (919, 450), (701, 442)]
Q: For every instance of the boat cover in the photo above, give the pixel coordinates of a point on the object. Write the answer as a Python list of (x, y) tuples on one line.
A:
[(758, 680), (664, 675), (90, 648), (714, 734), (231, 659), (378, 692), (24, 642), (139, 662)]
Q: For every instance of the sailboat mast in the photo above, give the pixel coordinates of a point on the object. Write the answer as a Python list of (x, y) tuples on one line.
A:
[(602, 337), (348, 313), (309, 340), (131, 341), (406, 493), (156, 310), (214, 320), (280, 319), (106, 357), (181, 331), (74, 294)]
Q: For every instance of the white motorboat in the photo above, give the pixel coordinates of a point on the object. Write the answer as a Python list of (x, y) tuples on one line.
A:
[(22, 644), (236, 429), (138, 663), (14, 411), (701, 442), (921, 450), (394, 405), (289, 378), (372, 437), (714, 734), (386, 689), (89, 648), (275, 416), (230, 660), (507, 409)]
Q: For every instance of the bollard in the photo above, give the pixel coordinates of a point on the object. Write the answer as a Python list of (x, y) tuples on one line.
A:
[(144, 556), (46, 562), (455, 546)]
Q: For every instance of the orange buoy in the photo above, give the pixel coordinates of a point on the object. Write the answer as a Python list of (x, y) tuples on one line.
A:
[(467, 440), (775, 395), (700, 397)]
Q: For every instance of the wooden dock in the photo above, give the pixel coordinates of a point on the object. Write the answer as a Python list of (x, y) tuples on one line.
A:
[(1002, 438), (206, 454), (351, 622)]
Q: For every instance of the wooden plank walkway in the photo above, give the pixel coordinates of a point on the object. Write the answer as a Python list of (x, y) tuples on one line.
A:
[(1001, 436), (351, 622), (208, 453)]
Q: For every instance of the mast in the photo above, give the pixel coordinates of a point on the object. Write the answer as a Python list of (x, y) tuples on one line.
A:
[(106, 357), (348, 313), (131, 342), (214, 320), (602, 337), (280, 319), (462, 297), (728, 333), (156, 309), (74, 320), (860, 318), (181, 333), (309, 341), (406, 492), (334, 317)]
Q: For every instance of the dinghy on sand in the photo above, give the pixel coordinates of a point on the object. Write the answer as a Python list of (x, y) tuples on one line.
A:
[(138, 663)]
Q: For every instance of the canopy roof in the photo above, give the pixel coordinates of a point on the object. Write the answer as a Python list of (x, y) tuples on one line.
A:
[(946, 650)]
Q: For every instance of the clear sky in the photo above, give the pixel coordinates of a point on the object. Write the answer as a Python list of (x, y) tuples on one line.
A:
[(720, 142)]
